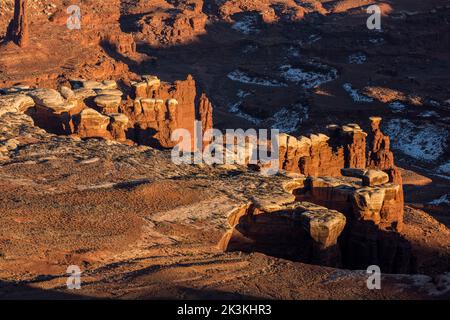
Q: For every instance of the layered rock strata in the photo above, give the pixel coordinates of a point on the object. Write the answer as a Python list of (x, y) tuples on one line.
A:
[(300, 231), (373, 207), (99, 109), (324, 155), (160, 108)]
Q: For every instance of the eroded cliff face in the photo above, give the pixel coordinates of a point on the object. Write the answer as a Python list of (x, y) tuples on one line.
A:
[(322, 155), (92, 109), (162, 108), (167, 22)]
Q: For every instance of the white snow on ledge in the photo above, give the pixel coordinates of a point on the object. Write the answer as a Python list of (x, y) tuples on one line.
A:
[(397, 106), (247, 25), (235, 108), (357, 58), (243, 77), (307, 79), (444, 168), (355, 95), (423, 142), (445, 199), (287, 120)]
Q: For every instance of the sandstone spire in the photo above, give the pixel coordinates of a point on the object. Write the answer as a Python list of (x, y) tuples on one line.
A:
[(19, 26), (380, 156), (205, 110)]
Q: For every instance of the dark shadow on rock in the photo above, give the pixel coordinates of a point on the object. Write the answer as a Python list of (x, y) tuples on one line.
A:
[(20, 291)]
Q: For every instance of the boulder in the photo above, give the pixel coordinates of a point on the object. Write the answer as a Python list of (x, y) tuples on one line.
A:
[(323, 225), (49, 98), (108, 103), (374, 177), (118, 126), (15, 103), (92, 124)]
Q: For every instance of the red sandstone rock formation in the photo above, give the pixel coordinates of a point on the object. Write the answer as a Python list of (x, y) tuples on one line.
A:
[(160, 108), (179, 22), (321, 155), (122, 43), (381, 157), (92, 124), (118, 126), (19, 32), (304, 231), (206, 117), (372, 213)]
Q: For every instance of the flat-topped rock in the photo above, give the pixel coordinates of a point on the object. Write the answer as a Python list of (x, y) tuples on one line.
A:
[(15, 103), (66, 92), (118, 117), (373, 177), (353, 172), (323, 225), (369, 177), (49, 98), (84, 93), (90, 124), (109, 92), (108, 103)]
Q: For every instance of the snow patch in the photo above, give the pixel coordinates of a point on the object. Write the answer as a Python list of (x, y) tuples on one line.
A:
[(247, 25), (243, 77), (355, 95), (422, 142), (376, 40), (293, 52), (310, 40), (308, 79), (445, 168), (357, 58), (397, 106), (429, 114), (287, 120), (243, 94), (234, 108), (445, 199)]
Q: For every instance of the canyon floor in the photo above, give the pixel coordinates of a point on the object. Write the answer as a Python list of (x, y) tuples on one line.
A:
[(141, 227)]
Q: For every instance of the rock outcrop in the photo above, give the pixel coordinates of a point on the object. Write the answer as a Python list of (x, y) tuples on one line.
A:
[(373, 207), (322, 155), (92, 124), (18, 29), (118, 126), (160, 108), (15, 102), (180, 22), (206, 116), (301, 231), (99, 109), (381, 157)]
